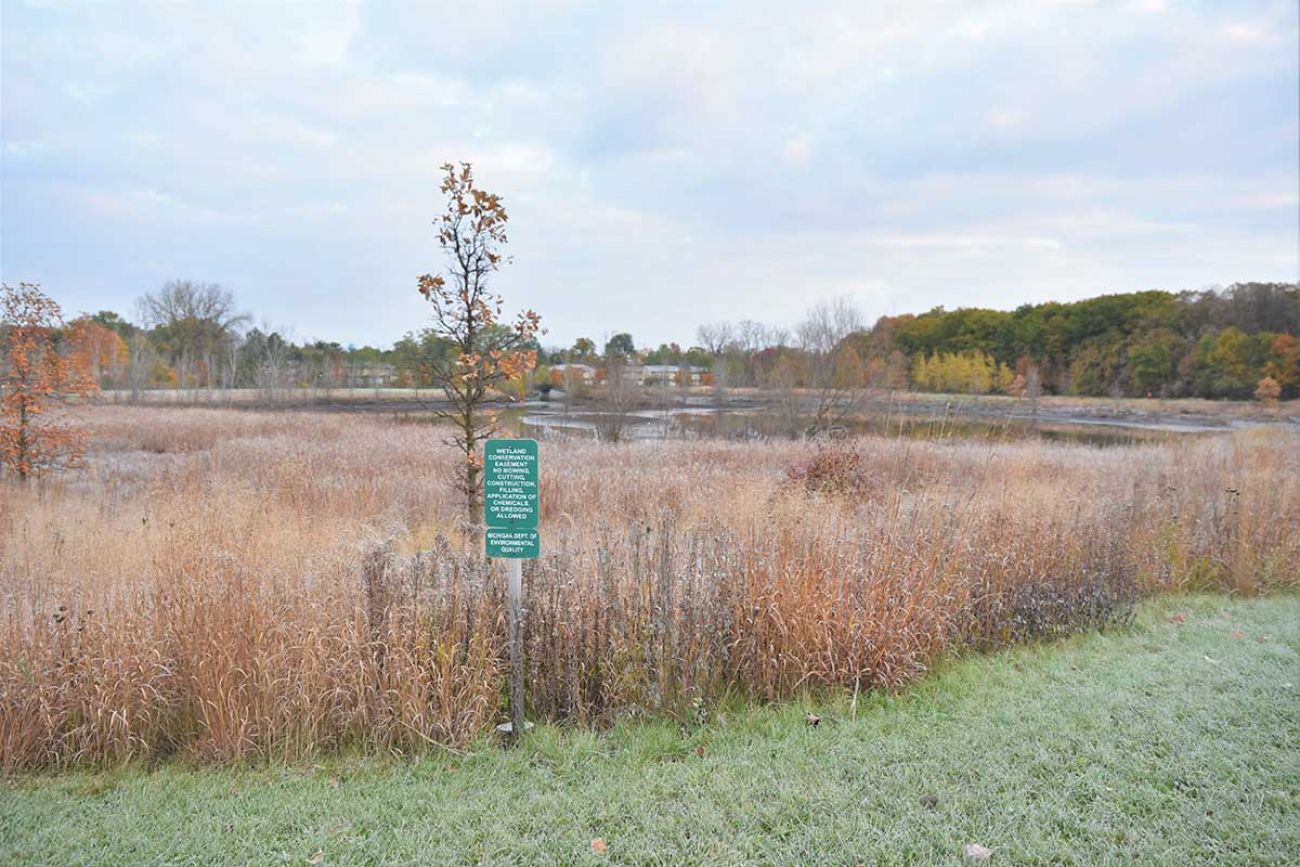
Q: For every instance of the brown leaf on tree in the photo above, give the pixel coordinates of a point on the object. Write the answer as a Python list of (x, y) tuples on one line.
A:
[(490, 357), (43, 363)]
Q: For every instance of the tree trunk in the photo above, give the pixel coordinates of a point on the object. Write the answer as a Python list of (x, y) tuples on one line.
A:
[(24, 440), (473, 496)]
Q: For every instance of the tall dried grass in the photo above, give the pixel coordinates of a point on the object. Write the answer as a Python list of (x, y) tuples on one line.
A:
[(229, 585)]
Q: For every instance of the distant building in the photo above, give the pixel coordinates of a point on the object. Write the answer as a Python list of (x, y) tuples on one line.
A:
[(632, 374), (371, 374), (668, 374), (583, 373)]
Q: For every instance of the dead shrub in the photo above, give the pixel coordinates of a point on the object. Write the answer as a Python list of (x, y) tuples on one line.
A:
[(835, 469)]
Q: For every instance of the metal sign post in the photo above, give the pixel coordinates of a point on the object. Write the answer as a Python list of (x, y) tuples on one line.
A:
[(510, 491)]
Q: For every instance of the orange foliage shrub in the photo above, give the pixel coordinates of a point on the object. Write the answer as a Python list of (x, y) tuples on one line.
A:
[(1268, 391)]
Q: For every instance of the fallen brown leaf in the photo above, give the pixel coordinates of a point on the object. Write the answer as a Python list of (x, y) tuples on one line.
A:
[(599, 846), (1178, 617), (976, 852), (318, 858), (812, 719)]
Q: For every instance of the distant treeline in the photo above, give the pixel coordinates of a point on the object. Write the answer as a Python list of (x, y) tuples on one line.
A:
[(191, 335), (1212, 344)]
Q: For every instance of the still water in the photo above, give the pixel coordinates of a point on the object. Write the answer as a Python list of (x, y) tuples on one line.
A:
[(548, 420)]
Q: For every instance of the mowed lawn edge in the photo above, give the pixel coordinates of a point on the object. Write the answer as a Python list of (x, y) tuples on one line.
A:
[(1172, 742)]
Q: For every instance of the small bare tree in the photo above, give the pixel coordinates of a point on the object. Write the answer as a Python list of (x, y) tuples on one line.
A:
[(140, 362), (835, 375), (472, 233), (619, 395), (716, 339), (230, 367), (273, 365), (751, 338), (1033, 390), (784, 380)]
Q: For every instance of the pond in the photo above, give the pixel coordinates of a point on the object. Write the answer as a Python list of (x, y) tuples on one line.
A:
[(543, 420)]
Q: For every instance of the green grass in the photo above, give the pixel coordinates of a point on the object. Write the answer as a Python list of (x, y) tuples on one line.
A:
[(1168, 743)]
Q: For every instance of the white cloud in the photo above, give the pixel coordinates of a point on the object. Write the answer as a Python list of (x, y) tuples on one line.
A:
[(329, 35), (962, 242), (1249, 34), (950, 151), (515, 159), (1006, 119), (797, 151), (25, 148)]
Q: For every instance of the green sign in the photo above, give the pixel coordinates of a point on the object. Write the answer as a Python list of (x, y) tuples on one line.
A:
[(510, 499), (512, 544), (510, 484)]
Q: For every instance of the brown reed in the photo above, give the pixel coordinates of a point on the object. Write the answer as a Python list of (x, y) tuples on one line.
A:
[(228, 585)]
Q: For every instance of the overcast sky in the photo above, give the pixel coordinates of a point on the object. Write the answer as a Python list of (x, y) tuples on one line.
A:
[(663, 164)]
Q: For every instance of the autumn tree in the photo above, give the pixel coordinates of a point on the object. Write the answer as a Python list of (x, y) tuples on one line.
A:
[(1267, 391), (34, 376), (467, 314), (966, 373), (1283, 365), (100, 351)]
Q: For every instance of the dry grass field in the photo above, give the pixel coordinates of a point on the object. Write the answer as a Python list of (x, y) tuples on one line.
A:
[(227, 585)]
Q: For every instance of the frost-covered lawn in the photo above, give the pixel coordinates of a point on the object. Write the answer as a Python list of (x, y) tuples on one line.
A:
[(1175, 742)]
